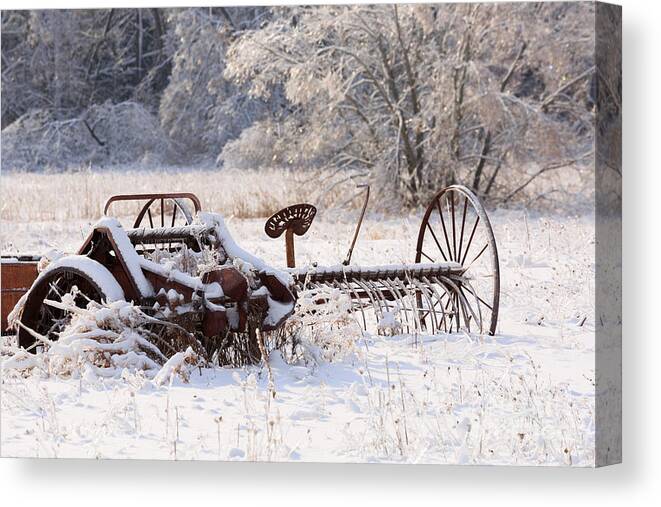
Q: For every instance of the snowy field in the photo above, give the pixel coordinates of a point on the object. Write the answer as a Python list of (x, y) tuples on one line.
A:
[(524, 396)]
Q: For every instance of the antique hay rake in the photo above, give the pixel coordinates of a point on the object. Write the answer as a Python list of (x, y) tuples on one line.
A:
[(453, 284), (182, 267)]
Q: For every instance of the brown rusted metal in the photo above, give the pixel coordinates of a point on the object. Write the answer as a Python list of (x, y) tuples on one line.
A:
[(233, 283), (98, 246), (441, 291), (450, 207), (347, 261), (372, 273), (295, 219), (289, 247), (152, 197), (159, 283), (17, 278)]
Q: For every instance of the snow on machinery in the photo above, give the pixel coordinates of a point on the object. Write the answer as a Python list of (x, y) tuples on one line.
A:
[(183, 268)]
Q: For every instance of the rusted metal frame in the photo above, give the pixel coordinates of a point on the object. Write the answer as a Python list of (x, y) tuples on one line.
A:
[(143, 197), (131, 290), (377, 274), (163, 234)]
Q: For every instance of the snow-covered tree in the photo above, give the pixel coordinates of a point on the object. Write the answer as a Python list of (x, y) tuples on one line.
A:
[(424, 95), (200, 109)]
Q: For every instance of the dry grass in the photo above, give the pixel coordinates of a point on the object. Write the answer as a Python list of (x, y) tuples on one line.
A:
[(82, 194)]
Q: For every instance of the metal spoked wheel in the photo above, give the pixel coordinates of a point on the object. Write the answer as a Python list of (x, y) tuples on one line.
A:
[(456, 229), (44, 318)]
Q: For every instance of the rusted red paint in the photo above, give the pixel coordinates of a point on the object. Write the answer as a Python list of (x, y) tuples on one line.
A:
[(17, 278)]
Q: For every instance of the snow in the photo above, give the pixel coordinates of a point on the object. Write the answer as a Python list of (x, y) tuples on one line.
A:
[(171, 273), (277, 311), (128, 253), (174, 366), (97, 272), (388, 322), (524, 396)]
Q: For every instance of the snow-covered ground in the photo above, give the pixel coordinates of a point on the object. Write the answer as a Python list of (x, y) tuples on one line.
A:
[(524, 396)]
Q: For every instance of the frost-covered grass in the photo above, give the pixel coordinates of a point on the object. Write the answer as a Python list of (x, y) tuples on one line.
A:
[(524, 396), (80, 195)]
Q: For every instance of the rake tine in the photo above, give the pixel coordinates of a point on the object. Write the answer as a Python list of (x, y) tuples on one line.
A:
[(426, 292), (453, 304), (468, 286), (450, 304), (416, 317), (398, 297), (379, 295), (439, 299), (356, 299), (368, 292), (460, 302), (412, 298)]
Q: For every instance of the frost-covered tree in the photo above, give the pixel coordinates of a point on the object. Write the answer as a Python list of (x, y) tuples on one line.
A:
[(423, 95), (68, 60), (200, 109), (496, 96)]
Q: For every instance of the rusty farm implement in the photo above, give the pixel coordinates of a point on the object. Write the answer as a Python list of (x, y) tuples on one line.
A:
[(183, 268)]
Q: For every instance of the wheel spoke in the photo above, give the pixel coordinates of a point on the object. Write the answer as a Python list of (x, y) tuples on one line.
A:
[(436, 240), (463, 222), (470, 240), (474, 293), (445, 232), (454, 234), (430, 259), (476, 257)]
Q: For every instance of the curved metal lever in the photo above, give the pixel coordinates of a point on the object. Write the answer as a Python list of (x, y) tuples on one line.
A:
[(360, 222)]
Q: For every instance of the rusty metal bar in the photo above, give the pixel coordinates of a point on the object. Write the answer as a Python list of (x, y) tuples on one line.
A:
[(165, 234), (142, 197), (374, 273)]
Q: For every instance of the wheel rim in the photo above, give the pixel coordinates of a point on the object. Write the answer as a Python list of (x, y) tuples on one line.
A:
[(456, 228), (47, 320)]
